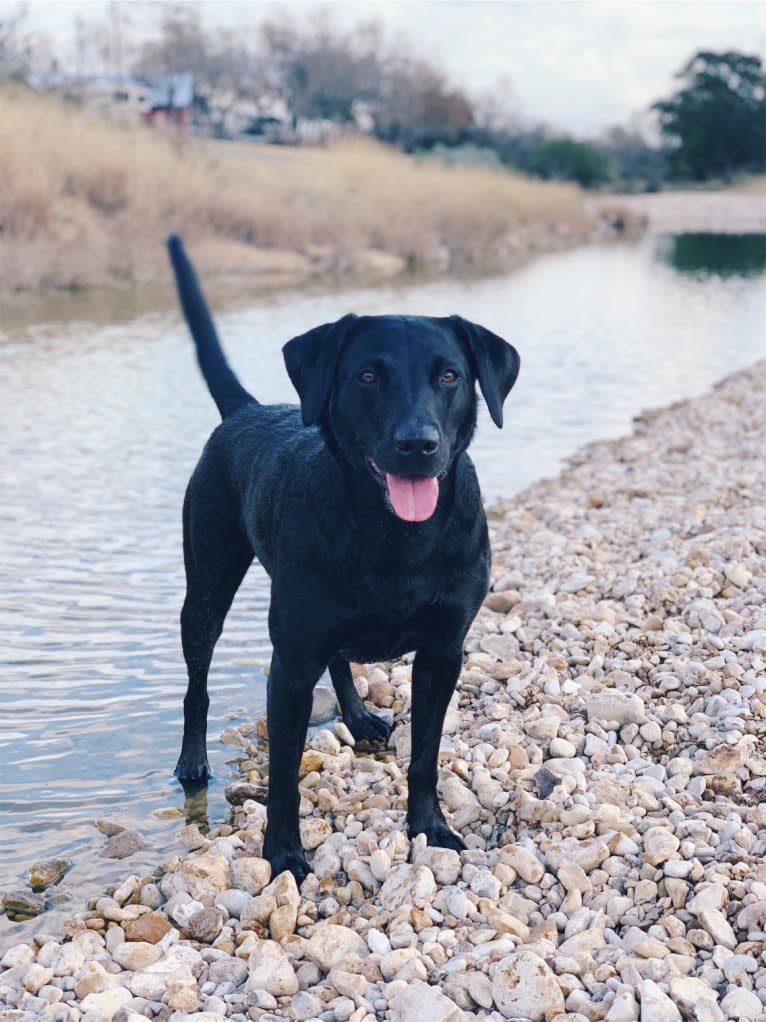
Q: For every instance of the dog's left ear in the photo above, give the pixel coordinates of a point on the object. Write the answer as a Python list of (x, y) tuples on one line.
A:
[(311, 360), (496, 362)]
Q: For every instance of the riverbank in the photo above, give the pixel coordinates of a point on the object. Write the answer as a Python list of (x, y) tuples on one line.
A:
[(87, 204), (732, 211), (604, 761)]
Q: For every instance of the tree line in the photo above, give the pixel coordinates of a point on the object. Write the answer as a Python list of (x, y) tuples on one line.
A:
[(712, 125)]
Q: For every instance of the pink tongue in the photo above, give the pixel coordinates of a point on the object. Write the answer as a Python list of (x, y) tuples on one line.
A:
[(414, 500)]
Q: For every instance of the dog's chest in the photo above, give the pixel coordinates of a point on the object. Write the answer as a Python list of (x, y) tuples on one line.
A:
[(393, 612), (367, 636)]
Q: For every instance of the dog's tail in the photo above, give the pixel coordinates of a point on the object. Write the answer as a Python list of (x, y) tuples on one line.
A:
[(228, 393)]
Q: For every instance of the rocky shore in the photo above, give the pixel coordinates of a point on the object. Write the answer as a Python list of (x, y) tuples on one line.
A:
[(604, 759)]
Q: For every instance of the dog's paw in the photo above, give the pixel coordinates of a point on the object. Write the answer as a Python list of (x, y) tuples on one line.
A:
[(193, 769), (368, 727), (439, 835), (291, 859)]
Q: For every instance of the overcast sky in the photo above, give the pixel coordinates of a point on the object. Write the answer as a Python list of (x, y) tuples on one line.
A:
[(576, 64)]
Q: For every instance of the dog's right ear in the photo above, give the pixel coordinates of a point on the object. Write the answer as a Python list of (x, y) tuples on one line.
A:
[(311, 360)]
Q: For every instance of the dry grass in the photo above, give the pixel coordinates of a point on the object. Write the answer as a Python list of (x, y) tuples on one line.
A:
[(84, 202)]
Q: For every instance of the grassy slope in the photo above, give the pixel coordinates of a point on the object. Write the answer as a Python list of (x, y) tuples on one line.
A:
[(84, 203)]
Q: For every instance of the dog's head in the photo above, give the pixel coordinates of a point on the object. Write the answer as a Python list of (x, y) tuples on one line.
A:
[(397, 395)]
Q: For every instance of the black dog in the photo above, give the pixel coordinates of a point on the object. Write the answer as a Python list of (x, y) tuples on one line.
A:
[(364, 509)]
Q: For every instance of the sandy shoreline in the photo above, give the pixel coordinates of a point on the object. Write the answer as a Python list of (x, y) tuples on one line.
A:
[(604, 760)]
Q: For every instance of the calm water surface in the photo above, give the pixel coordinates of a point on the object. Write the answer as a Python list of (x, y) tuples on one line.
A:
[(102, 426)]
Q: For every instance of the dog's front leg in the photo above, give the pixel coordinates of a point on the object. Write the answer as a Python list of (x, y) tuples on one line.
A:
[(434, 677), (363, 725), (288, 706)]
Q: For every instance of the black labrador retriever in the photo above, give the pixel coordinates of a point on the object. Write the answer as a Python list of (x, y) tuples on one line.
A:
[(364, 509)]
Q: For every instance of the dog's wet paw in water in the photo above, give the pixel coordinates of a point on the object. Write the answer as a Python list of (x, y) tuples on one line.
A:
[(193, 770)]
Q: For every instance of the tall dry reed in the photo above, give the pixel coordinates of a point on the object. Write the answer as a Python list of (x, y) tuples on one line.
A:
[(84, 201)]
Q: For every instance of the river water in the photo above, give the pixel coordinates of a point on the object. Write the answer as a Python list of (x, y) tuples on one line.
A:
[(104, 416)]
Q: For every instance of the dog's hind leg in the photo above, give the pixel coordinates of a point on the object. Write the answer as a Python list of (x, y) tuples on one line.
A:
[(434, 676), (215, 567), (363, 725)]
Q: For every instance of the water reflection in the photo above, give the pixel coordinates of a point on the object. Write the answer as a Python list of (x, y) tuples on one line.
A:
[(105, 421), (720, 255), (196, 805)]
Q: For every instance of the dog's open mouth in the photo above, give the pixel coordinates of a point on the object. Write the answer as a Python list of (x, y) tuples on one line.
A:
[(411, 499)]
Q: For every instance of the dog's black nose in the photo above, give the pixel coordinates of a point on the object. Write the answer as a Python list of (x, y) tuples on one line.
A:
[(424, 440)]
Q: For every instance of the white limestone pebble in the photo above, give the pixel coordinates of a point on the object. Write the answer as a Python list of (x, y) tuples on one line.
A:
[(523, 986)]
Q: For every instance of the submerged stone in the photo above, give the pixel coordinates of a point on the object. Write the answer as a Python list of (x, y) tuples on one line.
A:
[(21, 904), (45, 874)]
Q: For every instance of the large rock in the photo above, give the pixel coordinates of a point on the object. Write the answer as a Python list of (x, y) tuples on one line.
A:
[(696, 999), (526, 863), (103, 1006), (329, 943), (285, 890), (710, 897), (724, 759), (124, 844), (164, 980), (270, 970), (205, 875), (424, 1003), (150, 927), (314, 832), (92, 978), (67, 959), (408, 884), (23, 904), (444, 863), (228, 970), (656, 1006), (305, 1006), (36, 977), (611, 705), (660, 844), (240, 791), (282, 921), (524, 987), (587, 854), (623, 1008), (44, 874), (250, 874), (19, 954), (205, 925), (717, 925), (742, 1005), (133, 955)]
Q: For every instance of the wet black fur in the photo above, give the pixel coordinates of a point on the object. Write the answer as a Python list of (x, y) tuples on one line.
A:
[(300, 489)]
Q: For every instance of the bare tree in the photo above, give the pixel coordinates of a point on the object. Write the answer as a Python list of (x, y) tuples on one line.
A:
[(15, 50), (319, 71), (418, 106)]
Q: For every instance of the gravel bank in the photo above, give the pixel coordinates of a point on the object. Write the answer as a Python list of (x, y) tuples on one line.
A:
[(604, 761)]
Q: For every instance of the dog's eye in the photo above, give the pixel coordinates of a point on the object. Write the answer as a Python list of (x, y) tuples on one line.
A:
[(366, 376), (448, 376)]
